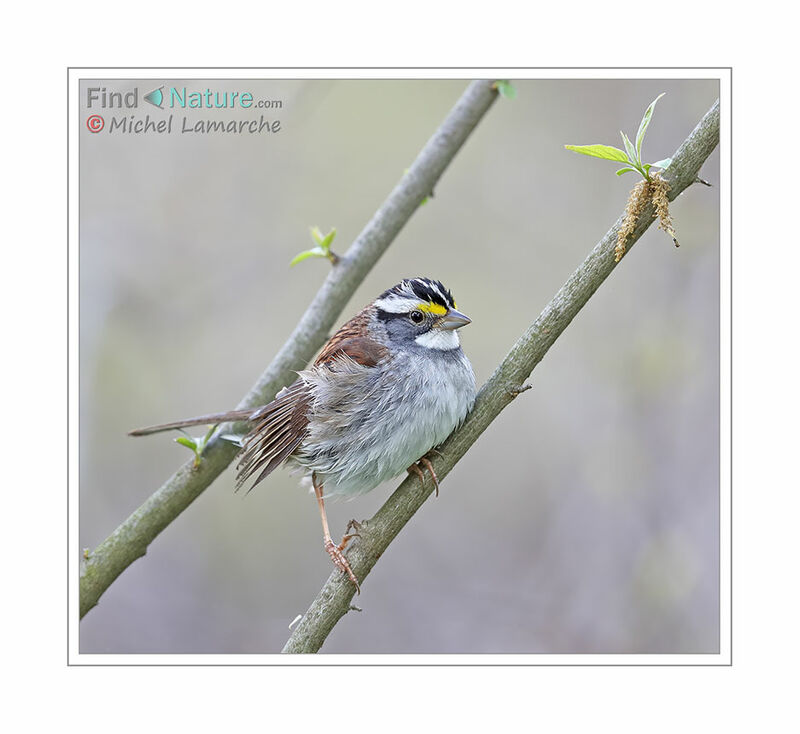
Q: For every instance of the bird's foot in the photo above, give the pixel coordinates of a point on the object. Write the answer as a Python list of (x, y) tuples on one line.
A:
[(348, 536), (335, 552), (426, 462)]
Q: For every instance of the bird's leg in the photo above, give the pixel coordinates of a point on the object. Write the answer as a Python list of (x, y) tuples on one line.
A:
[(334, 551), (415, 468)]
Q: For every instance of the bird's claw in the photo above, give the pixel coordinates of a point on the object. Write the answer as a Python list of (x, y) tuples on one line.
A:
[(418, 471), (354, 525)]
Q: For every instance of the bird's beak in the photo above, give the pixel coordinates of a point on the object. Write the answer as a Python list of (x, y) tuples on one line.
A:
[(454, 320)]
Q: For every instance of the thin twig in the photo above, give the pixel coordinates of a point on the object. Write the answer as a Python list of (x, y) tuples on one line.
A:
[(334, 600), (131, 539)]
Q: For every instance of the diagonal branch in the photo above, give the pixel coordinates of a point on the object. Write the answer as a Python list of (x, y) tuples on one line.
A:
[(130, 540), (334, 600)]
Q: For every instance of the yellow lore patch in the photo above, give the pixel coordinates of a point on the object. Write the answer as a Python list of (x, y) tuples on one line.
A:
[(433, 308)]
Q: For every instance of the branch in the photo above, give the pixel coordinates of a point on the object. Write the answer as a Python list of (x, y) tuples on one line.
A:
[(334, 600), (130, 540)]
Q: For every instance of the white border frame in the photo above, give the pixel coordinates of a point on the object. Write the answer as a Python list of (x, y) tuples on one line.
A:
[(723, 75)]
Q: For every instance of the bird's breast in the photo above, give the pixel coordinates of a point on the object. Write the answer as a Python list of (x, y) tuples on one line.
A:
[(368, 424)]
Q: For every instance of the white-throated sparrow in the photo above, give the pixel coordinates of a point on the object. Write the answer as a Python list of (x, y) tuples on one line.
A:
[(390, 385)]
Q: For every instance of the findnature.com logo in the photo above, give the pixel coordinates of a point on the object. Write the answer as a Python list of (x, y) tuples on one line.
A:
[(164, 97)]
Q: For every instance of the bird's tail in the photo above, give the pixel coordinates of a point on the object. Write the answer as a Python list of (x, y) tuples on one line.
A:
[(201, 420)]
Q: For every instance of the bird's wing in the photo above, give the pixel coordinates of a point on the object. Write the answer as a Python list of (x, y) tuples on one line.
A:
[(351, 341), (278, 429), (360, 349)]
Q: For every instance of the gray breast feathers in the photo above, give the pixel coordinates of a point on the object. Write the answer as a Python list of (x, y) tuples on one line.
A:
[(370, 424)]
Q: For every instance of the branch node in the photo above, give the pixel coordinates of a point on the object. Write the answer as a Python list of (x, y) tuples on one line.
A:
[(518, 390)]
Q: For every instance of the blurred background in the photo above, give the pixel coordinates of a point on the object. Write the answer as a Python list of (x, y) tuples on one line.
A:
[(585, 520)]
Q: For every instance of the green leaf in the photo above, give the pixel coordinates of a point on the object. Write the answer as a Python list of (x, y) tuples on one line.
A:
[(316, 252), (327, 240), (323, 248), (316, 235), (629, 147), (625, 170), (203, 442), (506, 89), (663, 164), (648, 114), (187, 442), (606, 152)]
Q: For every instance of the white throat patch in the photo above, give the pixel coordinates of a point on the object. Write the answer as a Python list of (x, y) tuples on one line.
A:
[(443, 339)]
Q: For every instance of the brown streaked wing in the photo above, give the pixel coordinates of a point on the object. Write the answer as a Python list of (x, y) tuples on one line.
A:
[(360, 349), (278, 430), (351, 340)]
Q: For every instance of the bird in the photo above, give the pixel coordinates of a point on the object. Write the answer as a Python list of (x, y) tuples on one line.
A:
[(387, 388)]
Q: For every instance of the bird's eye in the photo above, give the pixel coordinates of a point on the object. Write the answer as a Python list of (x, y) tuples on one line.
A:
[(416, 317)]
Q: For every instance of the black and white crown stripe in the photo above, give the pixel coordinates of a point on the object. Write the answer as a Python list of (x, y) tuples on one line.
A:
[(407, 294)]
